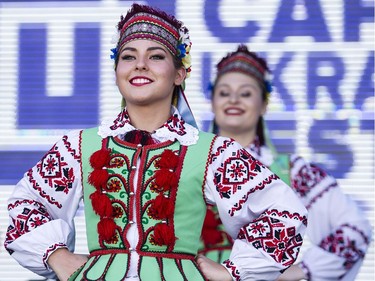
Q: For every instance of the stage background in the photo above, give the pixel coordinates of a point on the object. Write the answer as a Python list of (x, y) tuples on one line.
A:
[(56, 75)]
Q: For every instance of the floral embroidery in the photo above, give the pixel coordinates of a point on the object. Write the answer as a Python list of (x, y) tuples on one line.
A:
[(174, 129), (65, 183), (175, 124)]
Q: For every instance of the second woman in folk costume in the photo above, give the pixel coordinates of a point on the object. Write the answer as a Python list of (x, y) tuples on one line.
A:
[(146, 178), (339, 232)]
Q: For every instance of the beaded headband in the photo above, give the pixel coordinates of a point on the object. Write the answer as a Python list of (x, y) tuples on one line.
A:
[(145, 22), (246, 62)]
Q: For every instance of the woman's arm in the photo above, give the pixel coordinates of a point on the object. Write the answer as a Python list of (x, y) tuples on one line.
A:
[(261, 213), (43, 205), (65, 263), (338, 230)]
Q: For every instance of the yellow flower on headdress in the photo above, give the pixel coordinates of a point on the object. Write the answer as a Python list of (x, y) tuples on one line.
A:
[(183, 49), (186, 61)]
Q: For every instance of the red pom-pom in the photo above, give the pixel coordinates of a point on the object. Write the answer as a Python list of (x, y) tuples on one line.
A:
[(98, 178), (161, 208), (211, 234), (212, 237), (211, 221), (101, 204), (107, 229), (163, 235), (165, 179), (100, 158), (168, 160)]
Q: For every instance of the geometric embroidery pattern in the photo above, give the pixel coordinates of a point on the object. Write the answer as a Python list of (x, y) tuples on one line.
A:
[(341, 245), (55, 171), (270, 235), (235, 172), (31, 218), (50, 166), (307, 178), (175, 124), (232, 269), (238, 206)]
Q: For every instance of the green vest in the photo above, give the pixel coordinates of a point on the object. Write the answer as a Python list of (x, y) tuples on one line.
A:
[(109, 260), (281, 167)]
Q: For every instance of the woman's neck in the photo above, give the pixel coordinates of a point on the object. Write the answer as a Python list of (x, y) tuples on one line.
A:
[(148, 118), (243, 138)]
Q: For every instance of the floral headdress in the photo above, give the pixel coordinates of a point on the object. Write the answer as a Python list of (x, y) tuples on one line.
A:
[(145, 22), (249, 63)]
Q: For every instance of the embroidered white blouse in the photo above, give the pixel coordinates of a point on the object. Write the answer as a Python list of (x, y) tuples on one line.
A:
[(262, 214), (338, 230)]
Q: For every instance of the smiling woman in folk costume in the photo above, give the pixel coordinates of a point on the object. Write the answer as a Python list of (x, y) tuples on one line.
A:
[(146, 178), (339, 232)]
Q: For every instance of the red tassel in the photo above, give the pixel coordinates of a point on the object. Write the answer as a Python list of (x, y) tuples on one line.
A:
[(100, 158), (101, 204), (165, 179), (163, 235), (106, 229), (98, 178), (168, 159), (161, 208)]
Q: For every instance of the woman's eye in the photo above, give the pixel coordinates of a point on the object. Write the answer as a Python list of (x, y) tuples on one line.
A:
[(223, 94), (157, 57), (127, 57), (246, 94)]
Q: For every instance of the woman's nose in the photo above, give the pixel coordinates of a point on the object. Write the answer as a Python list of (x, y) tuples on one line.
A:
[(233, 98), (141, 64)]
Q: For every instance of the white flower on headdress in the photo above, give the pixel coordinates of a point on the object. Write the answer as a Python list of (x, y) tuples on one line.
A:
[(268, 82), (115, 37), (183, 49), (114, 40)]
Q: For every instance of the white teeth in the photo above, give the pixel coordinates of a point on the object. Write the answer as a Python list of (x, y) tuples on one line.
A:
[(233, 111), (140, 81)]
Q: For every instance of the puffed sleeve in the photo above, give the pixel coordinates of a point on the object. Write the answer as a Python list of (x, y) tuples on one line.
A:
[(42, 207), (259, 211), (338, 230)]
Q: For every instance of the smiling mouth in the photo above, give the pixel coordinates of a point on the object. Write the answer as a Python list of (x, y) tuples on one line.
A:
[(140, 81), (234, 111)]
